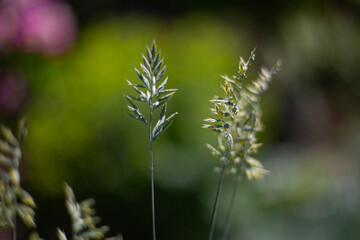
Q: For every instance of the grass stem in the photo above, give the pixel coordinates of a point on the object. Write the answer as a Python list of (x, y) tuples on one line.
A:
[(233, 196), (213, 217), (152, 176)]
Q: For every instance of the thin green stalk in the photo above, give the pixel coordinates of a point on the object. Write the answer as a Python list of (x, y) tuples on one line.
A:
[(152, 176), (233, 195), (213, 217), (232, 200)]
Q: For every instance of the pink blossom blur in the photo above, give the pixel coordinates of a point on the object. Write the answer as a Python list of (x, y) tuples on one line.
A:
[(13, 91), (41, 26)]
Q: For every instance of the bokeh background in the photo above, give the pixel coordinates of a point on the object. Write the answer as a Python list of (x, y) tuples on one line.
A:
[(64, 64)]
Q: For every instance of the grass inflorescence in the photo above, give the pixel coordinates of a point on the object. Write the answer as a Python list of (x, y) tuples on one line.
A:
[(152, 91), (237, 119)]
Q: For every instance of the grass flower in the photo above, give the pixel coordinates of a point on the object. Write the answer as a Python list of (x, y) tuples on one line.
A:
[(152, 92), (237, 119)]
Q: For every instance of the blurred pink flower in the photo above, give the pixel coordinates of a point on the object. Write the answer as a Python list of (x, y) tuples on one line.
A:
[(43, 26), (8, 24), (13, 91)]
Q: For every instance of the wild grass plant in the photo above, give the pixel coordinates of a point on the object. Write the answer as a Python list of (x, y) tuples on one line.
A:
[(236, 118), (156, 97)]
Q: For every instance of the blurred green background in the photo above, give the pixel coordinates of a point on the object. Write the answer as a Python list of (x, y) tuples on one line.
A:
[(79, 132)]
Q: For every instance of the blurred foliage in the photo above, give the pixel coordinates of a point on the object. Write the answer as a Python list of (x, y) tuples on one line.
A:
[(79, 132)]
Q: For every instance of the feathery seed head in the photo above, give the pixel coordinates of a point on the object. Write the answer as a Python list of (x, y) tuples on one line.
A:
[(240, 116), (153, 91)]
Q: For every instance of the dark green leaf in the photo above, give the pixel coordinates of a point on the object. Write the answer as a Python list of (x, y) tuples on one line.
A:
[(135, 98), (146, 63), (142, 94), (143, 78), (153, 48), (170, 90), (165, 126), (158, 125), (162, 85), (146, 72), (135, 110), (149, 55), (163, 111), (171, 117), (157, 59), (158, 67), (136, 85), (132, 104), (161, 74), (167, 96)]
